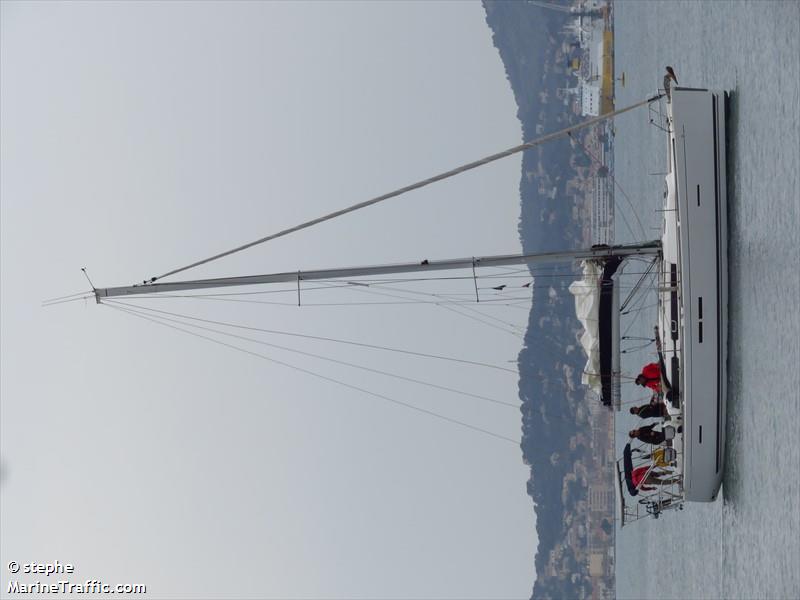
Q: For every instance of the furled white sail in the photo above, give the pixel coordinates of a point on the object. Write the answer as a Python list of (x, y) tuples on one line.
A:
[(587, 304)]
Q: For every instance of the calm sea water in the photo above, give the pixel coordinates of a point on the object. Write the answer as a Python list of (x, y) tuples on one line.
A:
[(747, 544)]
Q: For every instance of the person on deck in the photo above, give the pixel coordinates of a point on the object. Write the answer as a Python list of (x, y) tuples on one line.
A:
[(650, 377), (649, 411), (639, 475), (647, 435)]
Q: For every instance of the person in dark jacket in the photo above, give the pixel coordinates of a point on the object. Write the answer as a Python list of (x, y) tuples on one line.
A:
[(649, 411), (647, 435)]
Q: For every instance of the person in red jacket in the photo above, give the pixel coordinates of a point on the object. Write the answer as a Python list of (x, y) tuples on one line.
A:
[(655, 477), (650, 377)]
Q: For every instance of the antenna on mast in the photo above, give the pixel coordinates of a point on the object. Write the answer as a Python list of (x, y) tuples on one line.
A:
[(94, 289)]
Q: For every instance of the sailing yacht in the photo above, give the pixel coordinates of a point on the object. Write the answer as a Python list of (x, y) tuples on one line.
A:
[(690, 259), (692, 317), (694, 280)]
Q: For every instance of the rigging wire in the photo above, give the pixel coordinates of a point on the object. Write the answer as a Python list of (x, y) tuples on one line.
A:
[(639, 309), (67, 296), (488, 302), (438, 303), (479, 320), (513, 327), (477, 396), (614, 181), (326, 339), (637, 305), (54, 303), (441, 300), (635, 348), (638, 283), (258, 341), (419, 184), (333, 360), (448, 298), (325, 378), (470, 307), (544, 271)]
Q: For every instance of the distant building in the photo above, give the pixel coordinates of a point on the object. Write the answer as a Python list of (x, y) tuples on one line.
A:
[(596, 564), (600, 497), (590, 100)]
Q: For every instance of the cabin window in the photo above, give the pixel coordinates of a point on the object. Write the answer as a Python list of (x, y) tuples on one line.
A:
[(700, 320), (673, 308)]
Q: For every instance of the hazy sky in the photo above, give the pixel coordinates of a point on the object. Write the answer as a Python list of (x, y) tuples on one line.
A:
[(140, 136)]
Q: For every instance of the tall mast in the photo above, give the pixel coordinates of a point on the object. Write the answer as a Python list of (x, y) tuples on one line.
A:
[(597, 253)]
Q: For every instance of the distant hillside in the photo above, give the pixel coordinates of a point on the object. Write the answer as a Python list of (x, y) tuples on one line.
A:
[(528, 39)]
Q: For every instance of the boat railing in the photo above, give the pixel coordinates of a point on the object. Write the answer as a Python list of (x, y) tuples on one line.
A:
[(657, 112), (652, 498)]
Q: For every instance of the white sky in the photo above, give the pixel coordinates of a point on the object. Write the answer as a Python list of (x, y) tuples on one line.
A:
[(137, 137)]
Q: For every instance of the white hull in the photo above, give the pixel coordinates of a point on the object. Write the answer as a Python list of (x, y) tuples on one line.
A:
[(695, 284)]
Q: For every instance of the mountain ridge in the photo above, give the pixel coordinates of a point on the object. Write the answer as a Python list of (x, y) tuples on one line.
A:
[(553, 401)]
